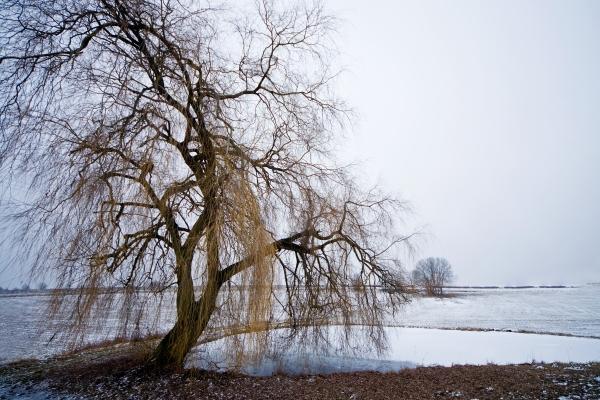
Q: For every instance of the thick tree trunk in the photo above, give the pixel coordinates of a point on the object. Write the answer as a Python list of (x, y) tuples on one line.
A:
[(193, 316), (175, 346)]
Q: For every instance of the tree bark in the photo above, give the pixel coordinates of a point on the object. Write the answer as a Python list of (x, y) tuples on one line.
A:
[(174, 347)]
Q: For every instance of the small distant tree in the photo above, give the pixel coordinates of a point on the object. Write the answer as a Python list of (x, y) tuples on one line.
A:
[(432, 274), (42, 286), (25, 287)]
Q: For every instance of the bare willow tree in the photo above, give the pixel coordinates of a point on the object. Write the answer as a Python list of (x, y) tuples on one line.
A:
[(432, 274), (174, 146)]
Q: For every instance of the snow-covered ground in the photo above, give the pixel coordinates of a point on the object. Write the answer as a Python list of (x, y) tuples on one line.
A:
[(571, 311), (574, 311)]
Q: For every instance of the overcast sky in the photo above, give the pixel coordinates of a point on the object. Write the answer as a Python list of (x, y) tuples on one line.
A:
[(485, 115)]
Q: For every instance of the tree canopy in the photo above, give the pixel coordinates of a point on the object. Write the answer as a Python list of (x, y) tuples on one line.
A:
[(174, 146)]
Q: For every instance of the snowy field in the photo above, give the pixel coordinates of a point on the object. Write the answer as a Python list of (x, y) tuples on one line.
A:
[(573, 311), (569, 311)]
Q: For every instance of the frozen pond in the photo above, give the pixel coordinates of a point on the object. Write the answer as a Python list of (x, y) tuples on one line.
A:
[(409, 347), (572, 311)]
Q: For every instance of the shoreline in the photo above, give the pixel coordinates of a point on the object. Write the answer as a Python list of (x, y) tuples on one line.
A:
[(118, 371)]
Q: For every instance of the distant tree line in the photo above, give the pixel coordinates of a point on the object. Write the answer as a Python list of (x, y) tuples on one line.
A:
[(25, 287)]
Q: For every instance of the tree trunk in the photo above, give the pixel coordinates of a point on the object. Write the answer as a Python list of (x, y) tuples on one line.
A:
[(193, 316), (176, 345)]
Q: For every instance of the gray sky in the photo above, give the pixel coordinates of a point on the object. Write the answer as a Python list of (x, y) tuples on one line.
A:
[(485, 115)]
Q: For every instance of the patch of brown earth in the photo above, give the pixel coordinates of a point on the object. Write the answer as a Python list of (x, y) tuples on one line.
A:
[(119, 373)]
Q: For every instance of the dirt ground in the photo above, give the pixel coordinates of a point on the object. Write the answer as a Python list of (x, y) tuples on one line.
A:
[(119, 372)]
